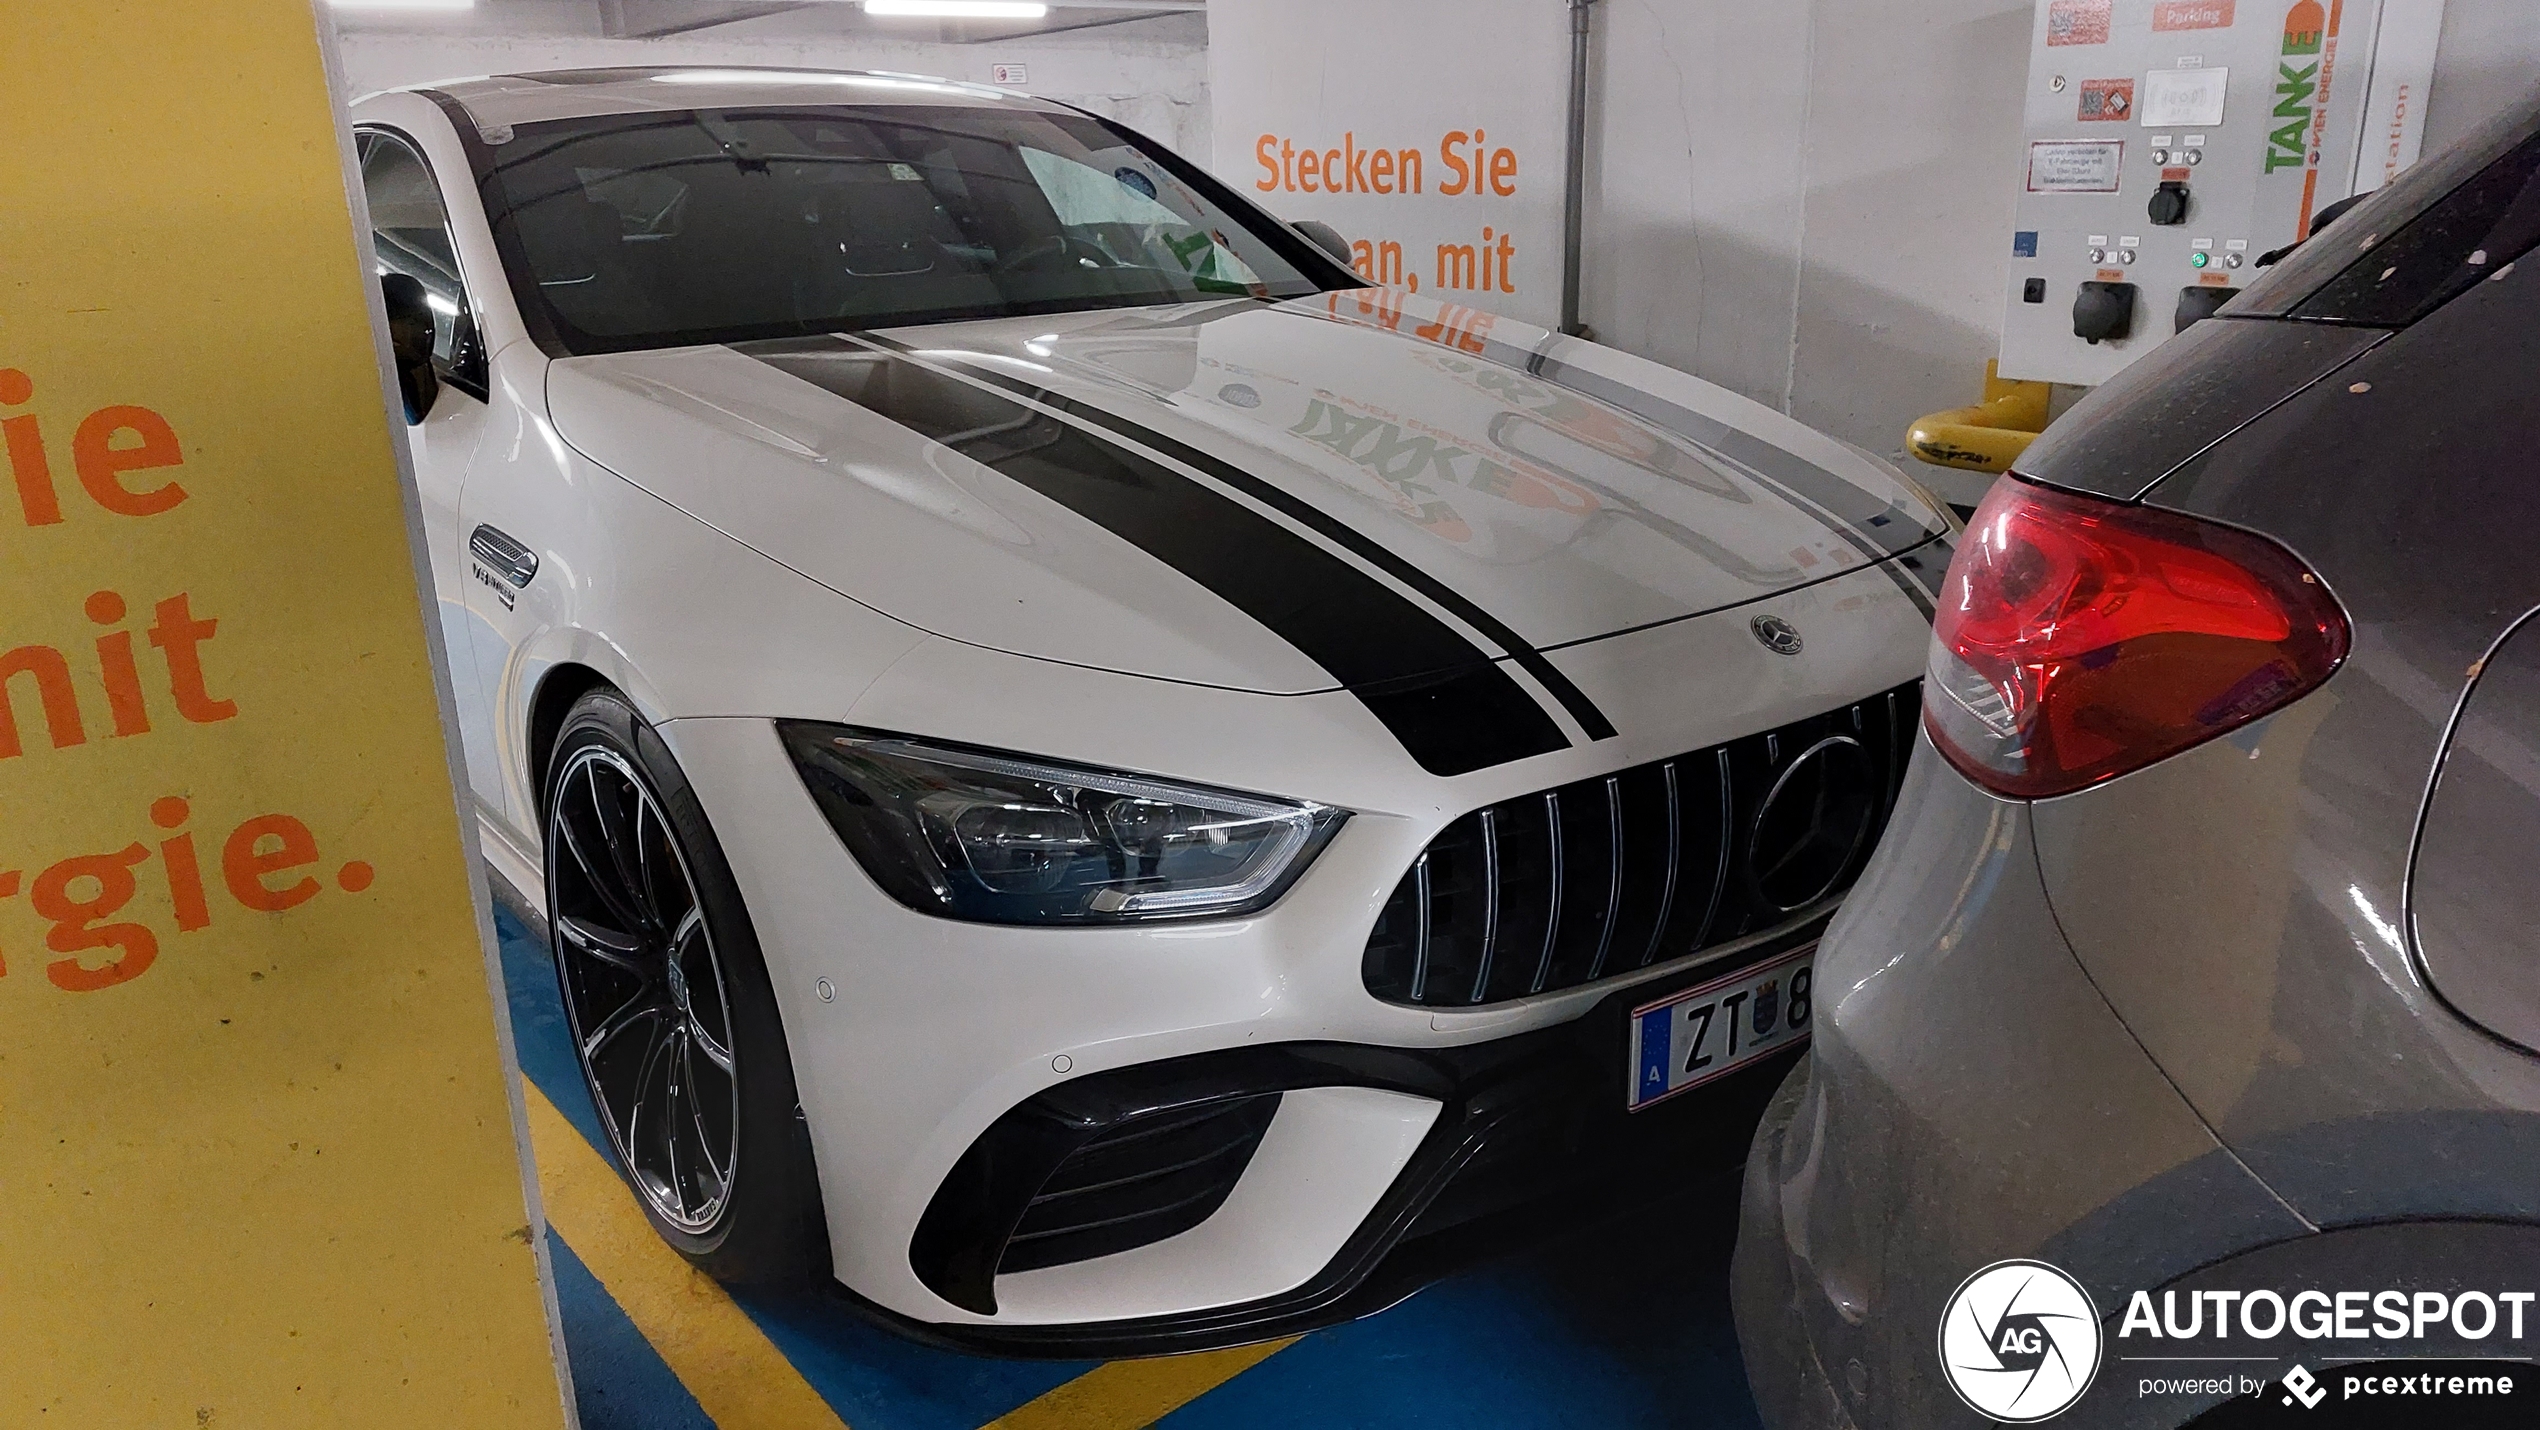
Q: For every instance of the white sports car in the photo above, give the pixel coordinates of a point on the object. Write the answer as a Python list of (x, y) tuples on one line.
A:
[(1095, 780)]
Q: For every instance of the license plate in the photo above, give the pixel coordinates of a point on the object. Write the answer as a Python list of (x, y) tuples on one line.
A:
[(1690, 1038)]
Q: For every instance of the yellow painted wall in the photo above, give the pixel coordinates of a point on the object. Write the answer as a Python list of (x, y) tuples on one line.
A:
[(257, 1159)]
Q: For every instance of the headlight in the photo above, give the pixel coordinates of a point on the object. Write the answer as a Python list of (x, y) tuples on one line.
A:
[(990, 838)]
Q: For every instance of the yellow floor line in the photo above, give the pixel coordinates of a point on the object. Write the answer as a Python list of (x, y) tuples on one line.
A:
[(1132, 1394), (740, 1380)]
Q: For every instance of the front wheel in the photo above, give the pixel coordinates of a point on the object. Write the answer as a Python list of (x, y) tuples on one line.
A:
[(673, 1018)]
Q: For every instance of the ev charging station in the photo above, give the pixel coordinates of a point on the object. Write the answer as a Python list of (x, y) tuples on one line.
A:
[(2168, 145)]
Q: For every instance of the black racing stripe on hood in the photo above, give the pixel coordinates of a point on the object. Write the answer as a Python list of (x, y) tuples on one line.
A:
[(1453, 707), (1331, 528)]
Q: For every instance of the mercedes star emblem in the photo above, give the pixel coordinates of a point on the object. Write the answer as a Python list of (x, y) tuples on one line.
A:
[(1779, 636)]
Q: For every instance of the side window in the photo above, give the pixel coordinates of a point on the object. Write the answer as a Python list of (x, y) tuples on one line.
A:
[(410, 234)]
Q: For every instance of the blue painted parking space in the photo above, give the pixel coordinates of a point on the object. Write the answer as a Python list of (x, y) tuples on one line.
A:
[(1620, 1325), (618, 1380)]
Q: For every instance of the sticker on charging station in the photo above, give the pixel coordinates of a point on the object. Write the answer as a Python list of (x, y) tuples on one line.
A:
[(2077, 22), (2193, 14), (2075, 166), (2106, 99)]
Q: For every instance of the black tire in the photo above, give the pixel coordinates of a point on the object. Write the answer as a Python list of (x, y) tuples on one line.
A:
[(623, 829)]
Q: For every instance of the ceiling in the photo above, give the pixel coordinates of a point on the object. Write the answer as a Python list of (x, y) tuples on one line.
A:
[(651, 19)]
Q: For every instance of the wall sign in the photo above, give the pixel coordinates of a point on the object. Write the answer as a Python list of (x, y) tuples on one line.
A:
[(256, 1106), (1437, 151)]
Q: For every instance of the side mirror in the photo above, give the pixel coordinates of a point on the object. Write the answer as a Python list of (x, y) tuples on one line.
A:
[(410, 331), (1325, 237)]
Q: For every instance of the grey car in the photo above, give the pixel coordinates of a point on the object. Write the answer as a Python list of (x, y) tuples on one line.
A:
[(2202, 953)]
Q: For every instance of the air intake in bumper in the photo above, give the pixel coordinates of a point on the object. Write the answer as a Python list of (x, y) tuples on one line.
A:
[(1086, 1169), (1604, 876), (1146, 1179)]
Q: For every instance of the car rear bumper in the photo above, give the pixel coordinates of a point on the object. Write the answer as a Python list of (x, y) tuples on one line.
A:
[(1782, 1370), (1969, 1099)]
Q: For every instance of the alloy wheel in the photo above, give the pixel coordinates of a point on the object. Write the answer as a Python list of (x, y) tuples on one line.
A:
[(643, 989)]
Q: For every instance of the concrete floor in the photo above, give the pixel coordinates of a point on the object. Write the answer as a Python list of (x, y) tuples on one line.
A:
[(1620, 1326)]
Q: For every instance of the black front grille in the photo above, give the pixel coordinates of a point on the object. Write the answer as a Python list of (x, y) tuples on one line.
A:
[(1619, 872), (1139, 1182)]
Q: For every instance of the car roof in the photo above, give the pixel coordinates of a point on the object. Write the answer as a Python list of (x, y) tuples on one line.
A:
[(500, 100)]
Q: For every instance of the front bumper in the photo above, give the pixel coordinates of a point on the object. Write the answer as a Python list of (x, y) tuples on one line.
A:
[(1529, 1140), (1406, 1139), (1970, 1098)]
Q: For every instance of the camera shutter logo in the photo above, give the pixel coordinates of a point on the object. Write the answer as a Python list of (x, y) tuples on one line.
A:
[(2020, 1341)]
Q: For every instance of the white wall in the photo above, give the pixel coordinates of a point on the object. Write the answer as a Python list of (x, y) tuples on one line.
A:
[(2490, 59), (1152, 76)]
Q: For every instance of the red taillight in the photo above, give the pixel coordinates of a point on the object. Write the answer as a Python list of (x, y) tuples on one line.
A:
[(2079, 639)]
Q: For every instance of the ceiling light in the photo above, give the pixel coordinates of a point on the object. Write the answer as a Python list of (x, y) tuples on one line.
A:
[(754, 77), (800, 77), (961, 9)]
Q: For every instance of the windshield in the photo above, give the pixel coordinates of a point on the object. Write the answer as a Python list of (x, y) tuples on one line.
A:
[(657, 230)]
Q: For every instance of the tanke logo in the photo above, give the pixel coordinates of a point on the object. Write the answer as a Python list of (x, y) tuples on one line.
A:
[(2019, 1342), (2296, 82)]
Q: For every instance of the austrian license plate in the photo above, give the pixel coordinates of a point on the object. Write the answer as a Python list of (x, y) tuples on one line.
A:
[(1691, 1038)]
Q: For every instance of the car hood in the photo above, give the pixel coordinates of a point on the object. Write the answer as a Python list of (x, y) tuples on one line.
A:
[(1180, 492)]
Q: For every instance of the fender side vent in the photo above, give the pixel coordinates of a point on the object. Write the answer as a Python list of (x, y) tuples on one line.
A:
[(500, 553)]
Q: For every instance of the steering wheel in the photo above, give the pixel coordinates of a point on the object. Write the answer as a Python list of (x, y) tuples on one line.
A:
[(1057, 248)]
